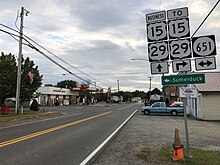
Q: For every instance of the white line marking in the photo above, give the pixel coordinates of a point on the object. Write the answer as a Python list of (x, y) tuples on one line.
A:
[(10, 126), (125, 107), (106, 140)]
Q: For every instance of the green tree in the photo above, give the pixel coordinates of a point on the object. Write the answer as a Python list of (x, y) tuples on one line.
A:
[(34, 106), (156, 91), (28, 87), (7, 76), (67, 84)]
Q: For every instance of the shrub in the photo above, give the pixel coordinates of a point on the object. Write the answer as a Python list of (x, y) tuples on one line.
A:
[(34, 106)]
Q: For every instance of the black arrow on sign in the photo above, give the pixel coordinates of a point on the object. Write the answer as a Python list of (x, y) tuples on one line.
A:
[(159, 67), (202, 63), (178, 65)]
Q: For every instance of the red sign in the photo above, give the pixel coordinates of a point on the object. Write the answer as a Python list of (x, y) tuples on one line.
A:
[(109, 91)]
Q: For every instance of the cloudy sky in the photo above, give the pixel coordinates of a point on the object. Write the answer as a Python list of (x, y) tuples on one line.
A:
[(98, 38)]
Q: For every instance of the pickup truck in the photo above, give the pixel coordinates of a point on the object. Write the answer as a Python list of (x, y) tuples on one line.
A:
[(160, 107)]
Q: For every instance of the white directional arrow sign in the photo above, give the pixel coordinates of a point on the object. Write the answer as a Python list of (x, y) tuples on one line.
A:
[(207, 63), (181, 65), (159, 68)]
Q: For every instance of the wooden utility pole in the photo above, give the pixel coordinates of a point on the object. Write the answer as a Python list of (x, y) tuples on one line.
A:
[(19, 62)]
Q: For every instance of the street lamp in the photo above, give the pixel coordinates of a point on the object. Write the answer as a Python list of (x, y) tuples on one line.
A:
[(140, 59), (150, 87)]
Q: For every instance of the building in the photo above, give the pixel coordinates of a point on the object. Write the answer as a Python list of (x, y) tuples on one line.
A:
[(171, 93), (56, 96), (207, 105)]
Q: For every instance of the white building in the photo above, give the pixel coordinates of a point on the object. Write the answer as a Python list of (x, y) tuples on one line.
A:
[(56, 96), (207, 104)]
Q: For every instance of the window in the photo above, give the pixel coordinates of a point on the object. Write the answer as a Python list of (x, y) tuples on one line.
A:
[(156, 105)]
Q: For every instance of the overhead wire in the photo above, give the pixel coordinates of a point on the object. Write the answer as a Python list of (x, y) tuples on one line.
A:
[(55, 55), (17, 20), (63, 60), (206, 18), (33, 47)]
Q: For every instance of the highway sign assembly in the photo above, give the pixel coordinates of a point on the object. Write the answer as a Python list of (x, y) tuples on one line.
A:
[(183, 79), (158, 51), (168, 35), (181, 65), (159, 68), (204, 46), (205, 63)]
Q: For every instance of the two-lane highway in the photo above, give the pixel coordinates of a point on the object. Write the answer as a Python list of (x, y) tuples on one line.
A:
[(62, 140)]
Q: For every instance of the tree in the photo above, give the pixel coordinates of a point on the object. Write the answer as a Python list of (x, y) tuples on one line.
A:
[(8, 75), (67, 84), (28, 87), (156, 91), (34, 106), (48, 85)]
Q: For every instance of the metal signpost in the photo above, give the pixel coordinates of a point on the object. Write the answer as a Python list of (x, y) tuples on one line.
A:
[(205, 63)]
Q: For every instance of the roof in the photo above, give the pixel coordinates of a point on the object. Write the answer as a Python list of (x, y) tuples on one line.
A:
[(212, 82)]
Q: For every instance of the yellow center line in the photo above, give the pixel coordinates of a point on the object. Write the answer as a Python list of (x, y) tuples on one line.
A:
[(22, 138)]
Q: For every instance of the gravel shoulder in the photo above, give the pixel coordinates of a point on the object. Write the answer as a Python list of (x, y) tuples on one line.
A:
[(155, 131)]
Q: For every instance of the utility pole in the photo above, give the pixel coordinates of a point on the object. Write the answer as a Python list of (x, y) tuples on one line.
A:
[(95, 93), (19, 62), (118, 91), (150, 87)]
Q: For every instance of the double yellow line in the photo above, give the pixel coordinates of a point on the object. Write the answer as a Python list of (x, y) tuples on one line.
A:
[(16, 140)]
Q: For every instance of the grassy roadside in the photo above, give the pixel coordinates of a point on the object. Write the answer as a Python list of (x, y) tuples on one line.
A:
[(12, 117), (164, 156)]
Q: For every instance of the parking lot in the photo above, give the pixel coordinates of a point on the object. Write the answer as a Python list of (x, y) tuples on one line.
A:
[(155, 131)]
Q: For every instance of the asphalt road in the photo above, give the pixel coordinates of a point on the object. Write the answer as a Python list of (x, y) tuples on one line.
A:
[(65, 140)]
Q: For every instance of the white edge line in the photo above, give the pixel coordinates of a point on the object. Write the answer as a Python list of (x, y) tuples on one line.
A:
[(16, 125), (105, 141)]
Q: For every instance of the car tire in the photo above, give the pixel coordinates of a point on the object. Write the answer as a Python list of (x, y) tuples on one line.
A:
[(173, 113), (146, 112)]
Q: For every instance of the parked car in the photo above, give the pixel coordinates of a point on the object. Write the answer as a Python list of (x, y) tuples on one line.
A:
[(177, 104), (148, 103), (160, 107), (12, 101)]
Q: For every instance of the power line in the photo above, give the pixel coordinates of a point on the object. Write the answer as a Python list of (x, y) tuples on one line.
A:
[(9, 28), (63, 60), (33, 47), (205, 18)]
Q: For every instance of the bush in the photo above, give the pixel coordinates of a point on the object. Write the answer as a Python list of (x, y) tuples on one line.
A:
[(34, 106)]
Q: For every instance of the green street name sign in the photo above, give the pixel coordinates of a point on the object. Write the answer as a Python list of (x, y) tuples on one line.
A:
[(183, 79)]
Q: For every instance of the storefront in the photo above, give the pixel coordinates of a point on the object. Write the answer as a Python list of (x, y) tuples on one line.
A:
[(54, 96)]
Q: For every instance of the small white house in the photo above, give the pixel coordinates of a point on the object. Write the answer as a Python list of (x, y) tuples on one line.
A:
[(155, 97)]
